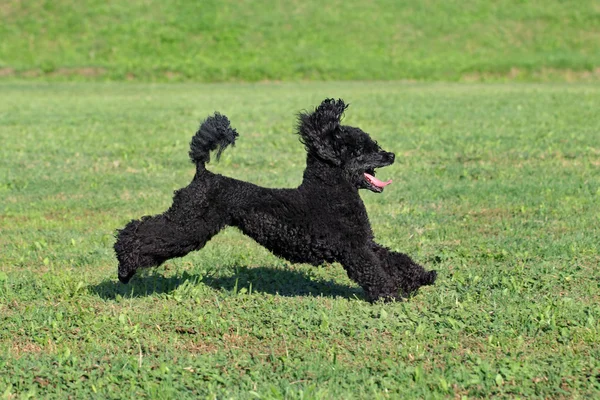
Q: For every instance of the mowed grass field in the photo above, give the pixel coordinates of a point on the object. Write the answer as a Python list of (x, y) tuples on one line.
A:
[(495, 186)]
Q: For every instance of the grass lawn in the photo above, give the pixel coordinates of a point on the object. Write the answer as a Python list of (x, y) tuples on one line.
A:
[(495, 186), (225, 40)]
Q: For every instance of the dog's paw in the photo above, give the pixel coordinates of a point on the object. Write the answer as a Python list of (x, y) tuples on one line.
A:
[(125, 276), (429, 278)]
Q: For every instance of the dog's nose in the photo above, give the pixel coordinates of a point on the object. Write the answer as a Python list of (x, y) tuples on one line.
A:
[(391, 157)]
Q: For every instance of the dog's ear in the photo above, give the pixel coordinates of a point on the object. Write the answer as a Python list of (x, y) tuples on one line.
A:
[(319, 129)]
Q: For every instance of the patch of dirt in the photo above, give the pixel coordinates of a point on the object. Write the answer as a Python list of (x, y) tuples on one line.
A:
[(542, 75), (79, 71), (197, 347), (7, 71), (32, 73), (172, 75), (20, 349), (88, 72), (9, 7)]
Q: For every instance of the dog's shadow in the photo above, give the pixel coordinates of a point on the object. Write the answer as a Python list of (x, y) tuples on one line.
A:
[(269, 280)]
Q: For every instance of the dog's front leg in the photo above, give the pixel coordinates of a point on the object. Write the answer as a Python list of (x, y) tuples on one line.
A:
[(363, 267), (409, 275)]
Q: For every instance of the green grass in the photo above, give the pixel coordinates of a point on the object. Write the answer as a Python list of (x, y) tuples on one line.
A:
[(495, 186), (153, 40)]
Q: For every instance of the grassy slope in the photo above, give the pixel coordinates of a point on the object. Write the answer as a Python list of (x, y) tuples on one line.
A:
[(497, 187), (291, 39)]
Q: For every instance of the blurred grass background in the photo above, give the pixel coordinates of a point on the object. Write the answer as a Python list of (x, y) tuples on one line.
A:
[(232, 40)]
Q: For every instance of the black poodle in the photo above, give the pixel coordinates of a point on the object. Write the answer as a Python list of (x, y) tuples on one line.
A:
[(323, 220)]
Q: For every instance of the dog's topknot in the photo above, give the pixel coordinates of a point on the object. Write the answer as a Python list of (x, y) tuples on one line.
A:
[(317, 129)]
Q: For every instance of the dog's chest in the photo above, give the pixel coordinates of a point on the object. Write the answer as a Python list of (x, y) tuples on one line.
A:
[(311, 229)]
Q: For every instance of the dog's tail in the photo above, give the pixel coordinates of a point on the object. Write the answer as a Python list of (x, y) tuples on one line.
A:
[(215, 132)]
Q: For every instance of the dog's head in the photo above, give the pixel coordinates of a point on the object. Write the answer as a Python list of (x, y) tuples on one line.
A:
[(344, 147)]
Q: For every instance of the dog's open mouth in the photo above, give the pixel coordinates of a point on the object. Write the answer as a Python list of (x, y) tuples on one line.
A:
[(375, 184)]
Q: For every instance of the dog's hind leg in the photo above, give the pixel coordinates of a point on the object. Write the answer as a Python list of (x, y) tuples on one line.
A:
[(152, 240)]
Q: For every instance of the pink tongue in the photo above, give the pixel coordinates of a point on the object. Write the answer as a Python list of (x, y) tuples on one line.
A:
[(376, 182)]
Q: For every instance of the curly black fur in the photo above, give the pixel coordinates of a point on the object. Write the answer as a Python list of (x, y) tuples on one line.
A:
[(323, 220), (214, 132)]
